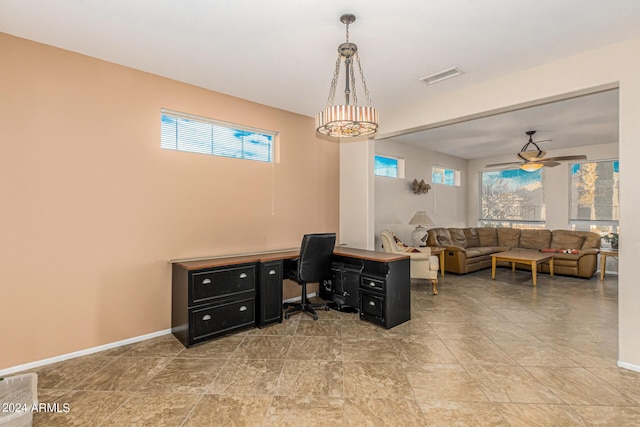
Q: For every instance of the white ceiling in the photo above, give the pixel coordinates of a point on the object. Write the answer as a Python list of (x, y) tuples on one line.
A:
[(282, 52)]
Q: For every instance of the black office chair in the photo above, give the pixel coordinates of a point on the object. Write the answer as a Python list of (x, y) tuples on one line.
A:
[(313, 265)]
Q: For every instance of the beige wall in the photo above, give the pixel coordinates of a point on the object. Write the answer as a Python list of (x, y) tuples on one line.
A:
[(614, 64), (395, 202), (92, 208)]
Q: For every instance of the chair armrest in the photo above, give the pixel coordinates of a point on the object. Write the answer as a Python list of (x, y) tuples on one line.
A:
[(591, 251), (419, 255)]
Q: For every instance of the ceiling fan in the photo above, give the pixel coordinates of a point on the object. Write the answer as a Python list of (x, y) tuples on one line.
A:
[(533, 157)]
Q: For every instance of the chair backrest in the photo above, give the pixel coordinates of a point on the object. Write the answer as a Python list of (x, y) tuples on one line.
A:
[(388, 242), (316, 253)]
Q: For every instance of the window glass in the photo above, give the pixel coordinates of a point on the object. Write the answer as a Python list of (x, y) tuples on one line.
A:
[(512, 197), (440, 175), (386, 166), (594, 191)]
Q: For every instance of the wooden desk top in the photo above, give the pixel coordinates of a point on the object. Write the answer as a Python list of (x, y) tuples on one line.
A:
[(284, 254)]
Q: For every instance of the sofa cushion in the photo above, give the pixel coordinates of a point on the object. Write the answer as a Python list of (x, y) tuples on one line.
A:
[(439, 237), (509, 237), (457, 237), (472, 237), (487, 236), (591, 240), (564, 239), (479, 251), (535, 239)]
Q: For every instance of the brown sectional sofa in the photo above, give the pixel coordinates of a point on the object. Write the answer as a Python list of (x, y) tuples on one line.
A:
[(470, 249)]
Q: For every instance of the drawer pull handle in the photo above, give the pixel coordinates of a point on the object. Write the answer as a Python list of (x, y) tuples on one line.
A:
[(243, 308), (372, 303), (272, 272), (372, 284), (206, 282), (243, 275), (206, 317)]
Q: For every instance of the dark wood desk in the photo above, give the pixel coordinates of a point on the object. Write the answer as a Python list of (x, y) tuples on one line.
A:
[(215, 296)]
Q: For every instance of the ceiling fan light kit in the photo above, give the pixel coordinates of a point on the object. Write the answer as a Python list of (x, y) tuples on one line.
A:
[(347, 120), (533, 159)]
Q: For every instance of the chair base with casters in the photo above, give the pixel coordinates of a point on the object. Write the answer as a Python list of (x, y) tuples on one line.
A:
[(312, 266), (304, 306)]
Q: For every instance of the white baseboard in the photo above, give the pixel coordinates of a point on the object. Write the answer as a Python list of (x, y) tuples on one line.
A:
[(84, 352), (296, 299), (629, 366)]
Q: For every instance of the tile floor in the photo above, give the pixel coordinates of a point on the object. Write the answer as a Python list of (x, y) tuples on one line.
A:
[(480, 353)]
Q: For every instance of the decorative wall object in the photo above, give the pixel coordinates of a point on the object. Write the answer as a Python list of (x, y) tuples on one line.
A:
[(420, 187)]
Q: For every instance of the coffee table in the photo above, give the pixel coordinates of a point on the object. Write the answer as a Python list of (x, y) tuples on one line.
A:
[(522, 256)]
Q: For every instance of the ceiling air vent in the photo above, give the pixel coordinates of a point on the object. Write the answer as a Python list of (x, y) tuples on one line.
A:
[(442, 75)]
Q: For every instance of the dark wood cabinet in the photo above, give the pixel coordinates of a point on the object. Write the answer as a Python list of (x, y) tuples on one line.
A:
[(212, 301), (269, 300), (385, 293)]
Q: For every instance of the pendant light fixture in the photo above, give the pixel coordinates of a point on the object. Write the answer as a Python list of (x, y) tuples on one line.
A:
[(349, 119)]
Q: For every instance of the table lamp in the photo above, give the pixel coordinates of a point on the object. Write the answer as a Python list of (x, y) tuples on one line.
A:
[(420, 218)]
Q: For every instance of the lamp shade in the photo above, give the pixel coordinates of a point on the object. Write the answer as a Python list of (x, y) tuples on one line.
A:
[(531, 166), (421, 218)]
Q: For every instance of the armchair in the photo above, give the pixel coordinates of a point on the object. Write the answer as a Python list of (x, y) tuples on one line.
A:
[(423, 264)]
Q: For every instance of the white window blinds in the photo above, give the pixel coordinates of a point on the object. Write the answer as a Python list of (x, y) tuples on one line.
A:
[(185, 132)]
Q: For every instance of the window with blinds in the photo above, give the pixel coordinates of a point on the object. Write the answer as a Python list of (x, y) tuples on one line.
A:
[(185, 132)]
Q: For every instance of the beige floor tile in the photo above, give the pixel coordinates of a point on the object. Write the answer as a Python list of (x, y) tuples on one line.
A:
[(443, 382), (311, 378), (383, 380), (218, 410), (220, 348), (510, 384), (315, 348), (330, 328), (85, 408), (531, 353), (420, 327), (163, 346), (253, 377), (456, 330), (577, 386), (287, 327), (125, 374), (504, 331), (478, 351), (68, 374), (263, 347), (538, 415), (153, 409), (588, 354), (383, 412), (475, 414), (359, 329), (185, 375), (624, 380), (369, 349), (310, 411), (422, 349), (610, 416)]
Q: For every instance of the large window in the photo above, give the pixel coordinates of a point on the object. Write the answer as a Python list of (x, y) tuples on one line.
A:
[(388, 166), (440, 175), (512, 198), (594, 197), (184, 132)]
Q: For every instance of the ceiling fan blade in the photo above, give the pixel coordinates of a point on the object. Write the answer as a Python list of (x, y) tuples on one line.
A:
[(549, 164), (563, 158), (543, 140), (502, 164)]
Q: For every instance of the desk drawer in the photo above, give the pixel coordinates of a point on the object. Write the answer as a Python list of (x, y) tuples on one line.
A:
[(217, 319), (372, 308), (222, 283), (372, 284)]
